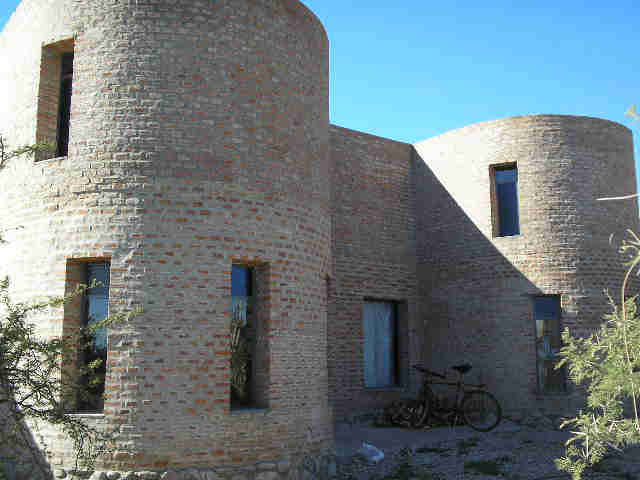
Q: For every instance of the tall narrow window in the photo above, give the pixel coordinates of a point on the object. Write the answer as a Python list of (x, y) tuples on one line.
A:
[(93, 349), (243, 333), (505, 204), (241, 292), (250, 346), (546, 313), (380, 328), (54, 97), (64, 112)]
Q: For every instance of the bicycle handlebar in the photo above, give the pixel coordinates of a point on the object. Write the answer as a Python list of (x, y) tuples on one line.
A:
[(424, 370)]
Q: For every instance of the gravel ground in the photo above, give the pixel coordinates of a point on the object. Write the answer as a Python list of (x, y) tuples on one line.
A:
[(511, 451)]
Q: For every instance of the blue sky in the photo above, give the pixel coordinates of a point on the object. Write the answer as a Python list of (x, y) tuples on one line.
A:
[(412, 69)]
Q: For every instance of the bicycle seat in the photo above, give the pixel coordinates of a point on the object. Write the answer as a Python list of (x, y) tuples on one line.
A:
[(462, 369)]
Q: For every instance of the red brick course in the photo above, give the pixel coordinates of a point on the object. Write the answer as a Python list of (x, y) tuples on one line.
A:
[(200, 138)]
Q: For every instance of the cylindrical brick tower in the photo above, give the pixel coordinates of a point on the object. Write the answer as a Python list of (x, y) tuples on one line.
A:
[(480, 285), (198, 141)]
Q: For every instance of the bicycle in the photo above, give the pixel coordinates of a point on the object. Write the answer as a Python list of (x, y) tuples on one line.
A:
[(474, 406)]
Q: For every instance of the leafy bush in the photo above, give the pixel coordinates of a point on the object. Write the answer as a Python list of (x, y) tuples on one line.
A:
[(608, 364), (34, 386)]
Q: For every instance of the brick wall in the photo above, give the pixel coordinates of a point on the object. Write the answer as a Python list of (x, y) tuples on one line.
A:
[(374, 259), (199, 138), (477, 289)]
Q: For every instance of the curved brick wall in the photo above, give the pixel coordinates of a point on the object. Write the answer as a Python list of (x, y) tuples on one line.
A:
[(199, 137), (478, 288)]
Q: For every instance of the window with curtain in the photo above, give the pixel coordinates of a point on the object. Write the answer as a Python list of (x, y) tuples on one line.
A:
[(380, 327)]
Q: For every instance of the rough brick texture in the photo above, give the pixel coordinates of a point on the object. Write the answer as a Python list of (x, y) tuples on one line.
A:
[(374, 259), (200, 138), (477, 289)]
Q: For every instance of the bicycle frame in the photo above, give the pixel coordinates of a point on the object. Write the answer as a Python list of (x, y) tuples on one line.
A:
[(461, 387), (473, 405)]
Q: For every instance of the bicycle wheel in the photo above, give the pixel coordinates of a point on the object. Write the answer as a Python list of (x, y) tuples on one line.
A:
[(411, 413), (481, 410), (419, 412), (398, 413)]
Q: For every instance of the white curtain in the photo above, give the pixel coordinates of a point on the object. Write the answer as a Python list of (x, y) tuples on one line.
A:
[(379, 355)]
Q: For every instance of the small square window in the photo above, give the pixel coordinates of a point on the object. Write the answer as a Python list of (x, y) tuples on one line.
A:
[(505, 204), (546, 314), (380, 328)]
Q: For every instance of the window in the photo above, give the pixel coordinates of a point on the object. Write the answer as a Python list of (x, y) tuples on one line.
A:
[(54, 97), (241, 292), (82, 312), (249, 346), (546, 314), (64, 110), (94, 346), (506, 217), (380, 328)]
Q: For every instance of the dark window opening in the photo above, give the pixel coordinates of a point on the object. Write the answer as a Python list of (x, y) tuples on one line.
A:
[(546, 314), (243, 336), (93, 347), (381, 345), (64, 109), (506, 210)]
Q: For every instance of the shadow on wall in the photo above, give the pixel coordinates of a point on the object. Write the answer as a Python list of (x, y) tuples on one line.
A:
[(478, 306), (15, 462)]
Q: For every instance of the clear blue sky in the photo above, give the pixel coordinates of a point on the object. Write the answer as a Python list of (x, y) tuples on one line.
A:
[(412, 69)]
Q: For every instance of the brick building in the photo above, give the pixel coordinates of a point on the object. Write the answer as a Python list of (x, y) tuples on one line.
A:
[(198, 176)]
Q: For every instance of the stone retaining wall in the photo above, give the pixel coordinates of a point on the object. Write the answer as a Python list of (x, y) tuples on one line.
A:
[(307, 467)]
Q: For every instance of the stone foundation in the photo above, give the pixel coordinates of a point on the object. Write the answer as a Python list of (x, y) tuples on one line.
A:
[(318, 467)]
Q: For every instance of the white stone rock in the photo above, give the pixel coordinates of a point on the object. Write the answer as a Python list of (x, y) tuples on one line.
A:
[(171, 475), (98, 475), (113, 475), (370, 453)]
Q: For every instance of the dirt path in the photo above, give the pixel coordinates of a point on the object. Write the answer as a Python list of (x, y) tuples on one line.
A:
[(510, 451)]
